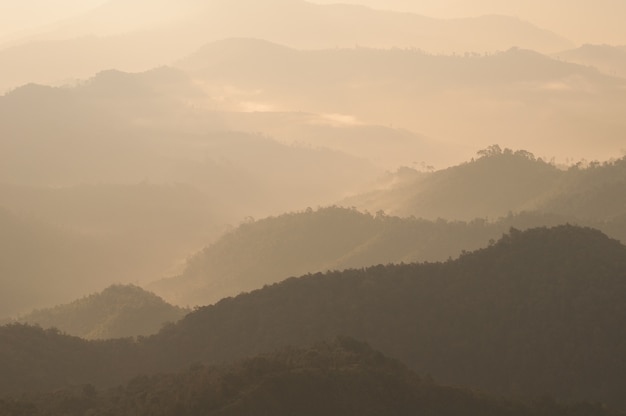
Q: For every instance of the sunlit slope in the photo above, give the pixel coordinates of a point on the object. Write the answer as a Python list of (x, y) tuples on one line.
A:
[(499, 182), (539, 312), (116, 312)]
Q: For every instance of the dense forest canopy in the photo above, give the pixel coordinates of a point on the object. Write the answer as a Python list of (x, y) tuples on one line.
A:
[(342, 377)]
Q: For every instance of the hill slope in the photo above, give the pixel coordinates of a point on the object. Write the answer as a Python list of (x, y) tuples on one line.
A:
[(500, 182), (540, 311), (343, 377), (116, 312), (269, 250), (527, 315)]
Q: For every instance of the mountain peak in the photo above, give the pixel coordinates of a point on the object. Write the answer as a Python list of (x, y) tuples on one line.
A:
[(118, 311)]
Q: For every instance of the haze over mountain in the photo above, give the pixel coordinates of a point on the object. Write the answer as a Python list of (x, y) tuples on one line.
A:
[(118, 311), (518, 98), (130, 128), (63, 243), (484, 198), (128, 162), (500, 182), (582, 22), (27, 16), (139, 35), (611, 60), (39, 262)]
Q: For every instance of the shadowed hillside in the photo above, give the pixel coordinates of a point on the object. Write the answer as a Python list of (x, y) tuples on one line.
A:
[(343, 377), (527, 315)]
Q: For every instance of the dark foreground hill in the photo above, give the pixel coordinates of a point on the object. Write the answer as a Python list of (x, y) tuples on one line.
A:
[(344, 377), (117, 312), (538, 312)]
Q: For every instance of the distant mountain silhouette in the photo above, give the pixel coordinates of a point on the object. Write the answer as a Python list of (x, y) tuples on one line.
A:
[(538, 312), (118, 311), (138, 35), (96, 133), (608, 59), (504, 97)]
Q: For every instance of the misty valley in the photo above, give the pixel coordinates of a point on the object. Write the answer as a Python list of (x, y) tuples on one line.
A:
[(279, 207)]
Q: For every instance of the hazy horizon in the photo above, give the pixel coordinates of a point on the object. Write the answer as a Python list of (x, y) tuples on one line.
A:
[(582, 22)]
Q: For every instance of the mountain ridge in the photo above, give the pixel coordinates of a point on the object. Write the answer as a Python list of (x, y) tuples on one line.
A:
[(119, 311)]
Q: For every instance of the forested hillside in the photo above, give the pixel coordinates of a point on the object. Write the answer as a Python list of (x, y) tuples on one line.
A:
[(538, 312), (527, 315), (119, 311), (500, 181), (269, 250), (343, 377), (498, 190)]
